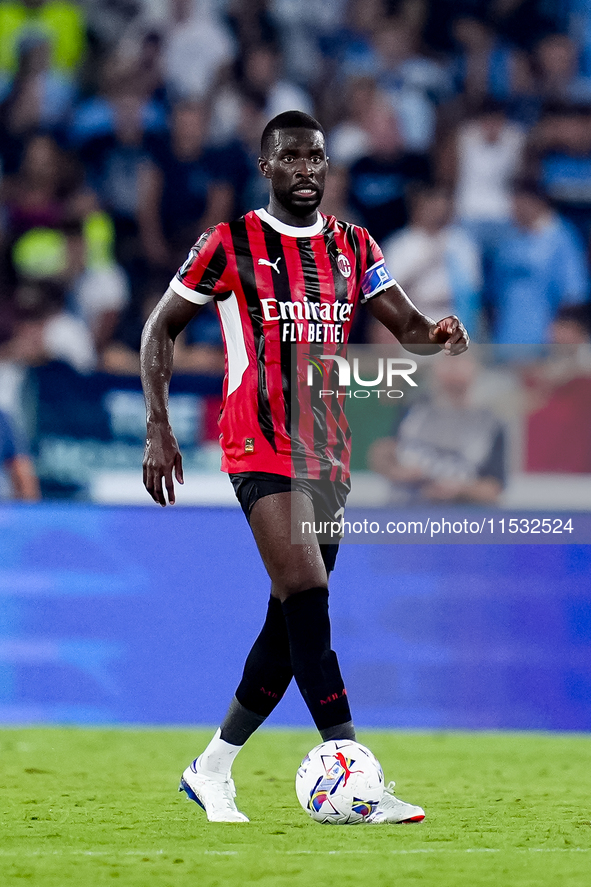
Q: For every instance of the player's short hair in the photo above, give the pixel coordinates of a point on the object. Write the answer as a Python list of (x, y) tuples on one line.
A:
[(287, 120)]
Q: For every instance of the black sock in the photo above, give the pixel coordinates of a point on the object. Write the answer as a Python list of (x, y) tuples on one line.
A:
[(339, 731), (239, 724), (267, 671), (315, 665)]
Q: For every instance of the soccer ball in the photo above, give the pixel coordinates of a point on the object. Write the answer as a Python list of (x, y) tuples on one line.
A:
[(340, 782)]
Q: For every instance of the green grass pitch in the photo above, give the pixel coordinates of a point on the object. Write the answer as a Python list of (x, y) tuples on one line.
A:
[(100, 806)]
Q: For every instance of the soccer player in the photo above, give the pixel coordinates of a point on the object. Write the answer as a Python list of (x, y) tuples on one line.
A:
[(285, 280)]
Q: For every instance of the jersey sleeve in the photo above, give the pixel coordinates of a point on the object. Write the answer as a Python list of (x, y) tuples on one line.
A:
[(204, 274), (376, 278)]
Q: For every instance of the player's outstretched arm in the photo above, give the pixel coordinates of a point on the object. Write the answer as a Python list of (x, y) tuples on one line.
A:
[(162, 457), (413, 329)]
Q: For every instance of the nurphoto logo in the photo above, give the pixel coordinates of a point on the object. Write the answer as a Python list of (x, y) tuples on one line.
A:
[(388, 371)]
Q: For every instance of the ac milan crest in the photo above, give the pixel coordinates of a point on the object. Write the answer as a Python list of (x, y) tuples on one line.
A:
[(344, 265)]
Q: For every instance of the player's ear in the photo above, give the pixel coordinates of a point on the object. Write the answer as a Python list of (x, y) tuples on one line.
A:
[(264, 167)]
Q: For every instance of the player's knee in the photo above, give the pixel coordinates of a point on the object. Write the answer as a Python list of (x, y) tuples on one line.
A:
[(296, 574), (286, 590)]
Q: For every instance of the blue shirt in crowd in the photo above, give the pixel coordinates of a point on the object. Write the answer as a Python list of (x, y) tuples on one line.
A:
[(535, 272)]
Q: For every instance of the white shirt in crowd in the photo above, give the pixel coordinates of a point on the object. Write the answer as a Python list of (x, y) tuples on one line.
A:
[(434, 268), (485, 172)]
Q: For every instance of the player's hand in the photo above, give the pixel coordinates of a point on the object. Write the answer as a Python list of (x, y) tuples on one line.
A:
[(162, 459), (451, 333)]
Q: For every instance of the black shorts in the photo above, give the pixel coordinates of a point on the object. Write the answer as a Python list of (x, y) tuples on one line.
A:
[(327, 497)]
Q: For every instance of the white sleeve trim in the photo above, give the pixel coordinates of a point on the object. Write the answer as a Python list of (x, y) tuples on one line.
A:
[(190, 295)]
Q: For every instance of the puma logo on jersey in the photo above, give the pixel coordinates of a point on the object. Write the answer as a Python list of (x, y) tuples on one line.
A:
[(272, 265)]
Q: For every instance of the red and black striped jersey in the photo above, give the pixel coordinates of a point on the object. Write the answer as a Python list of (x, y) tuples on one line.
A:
[(285, 296)]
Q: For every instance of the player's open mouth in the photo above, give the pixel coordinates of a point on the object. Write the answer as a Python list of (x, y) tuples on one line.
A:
[(306, 192)]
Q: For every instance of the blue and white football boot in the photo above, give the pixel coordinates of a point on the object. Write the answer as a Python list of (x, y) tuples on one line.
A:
[(214, 794)]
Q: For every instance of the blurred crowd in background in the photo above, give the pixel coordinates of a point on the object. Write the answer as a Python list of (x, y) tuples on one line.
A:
[(459, 134)]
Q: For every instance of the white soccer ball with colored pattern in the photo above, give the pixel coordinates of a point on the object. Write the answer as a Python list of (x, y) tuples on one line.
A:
[(340, 782)]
